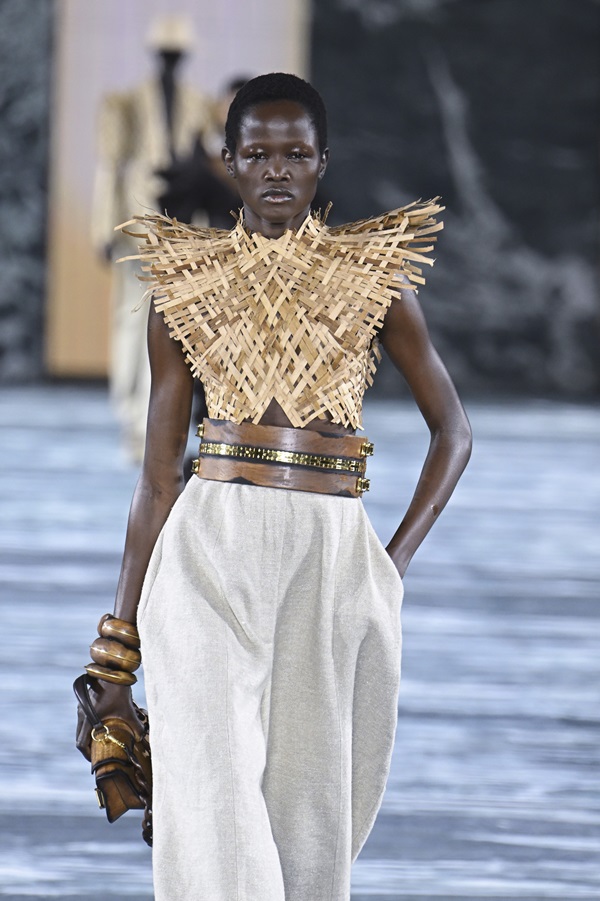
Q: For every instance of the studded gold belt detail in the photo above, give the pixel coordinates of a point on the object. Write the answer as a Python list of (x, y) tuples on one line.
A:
[(293, 458)]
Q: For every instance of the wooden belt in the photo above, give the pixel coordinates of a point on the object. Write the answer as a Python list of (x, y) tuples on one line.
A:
[(275, 457)]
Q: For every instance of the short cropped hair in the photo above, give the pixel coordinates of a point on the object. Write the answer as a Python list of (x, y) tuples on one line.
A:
[(272, 87)]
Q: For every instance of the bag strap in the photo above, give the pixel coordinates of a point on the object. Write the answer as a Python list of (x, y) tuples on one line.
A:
[(82, 693)]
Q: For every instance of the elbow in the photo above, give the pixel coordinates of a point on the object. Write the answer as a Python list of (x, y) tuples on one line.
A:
[(468, 446), (457, 438), (161, 485), (464, 441)]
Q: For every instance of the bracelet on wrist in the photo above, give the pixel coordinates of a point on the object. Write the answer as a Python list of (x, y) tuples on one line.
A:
[(115, 654), (117, 677), (119, 629)]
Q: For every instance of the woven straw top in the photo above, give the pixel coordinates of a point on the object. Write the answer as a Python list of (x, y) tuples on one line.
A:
[(295, 318)]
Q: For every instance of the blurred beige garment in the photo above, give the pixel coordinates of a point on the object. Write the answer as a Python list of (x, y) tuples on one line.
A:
[(133, 144)]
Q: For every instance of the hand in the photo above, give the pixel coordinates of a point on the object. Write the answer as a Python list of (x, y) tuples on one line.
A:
[(109, 700)]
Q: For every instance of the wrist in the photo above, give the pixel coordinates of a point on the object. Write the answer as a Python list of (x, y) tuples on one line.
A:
[(400, 559), (110, 691)]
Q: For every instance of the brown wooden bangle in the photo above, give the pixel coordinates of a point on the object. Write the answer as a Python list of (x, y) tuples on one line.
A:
[(119, 677), (115, 655), (119, 629)]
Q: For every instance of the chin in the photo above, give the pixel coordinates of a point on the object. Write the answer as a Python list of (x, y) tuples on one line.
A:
[(280, 212)]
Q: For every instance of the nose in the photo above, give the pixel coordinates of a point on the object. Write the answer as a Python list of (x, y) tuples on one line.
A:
[(278, 169)]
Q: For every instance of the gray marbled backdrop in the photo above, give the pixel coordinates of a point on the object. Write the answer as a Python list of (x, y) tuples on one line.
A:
[(25, 56), (494, 106)]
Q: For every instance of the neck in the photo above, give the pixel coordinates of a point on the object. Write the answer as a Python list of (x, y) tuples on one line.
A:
[(168, 62), (167, 72), (268, 229)]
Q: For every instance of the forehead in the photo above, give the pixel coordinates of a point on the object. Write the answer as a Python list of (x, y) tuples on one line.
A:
[(277, 120)]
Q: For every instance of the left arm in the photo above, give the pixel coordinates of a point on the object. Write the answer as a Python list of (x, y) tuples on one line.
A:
[(406, 340)]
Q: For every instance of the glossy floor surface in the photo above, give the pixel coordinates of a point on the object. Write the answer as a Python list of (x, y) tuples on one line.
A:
[(494, 790)]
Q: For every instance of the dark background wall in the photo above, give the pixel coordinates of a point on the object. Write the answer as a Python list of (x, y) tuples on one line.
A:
[(25, 57), (494, 104)]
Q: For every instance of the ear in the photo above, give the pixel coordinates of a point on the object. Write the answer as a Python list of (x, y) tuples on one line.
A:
[(229, 161), (324, 161)]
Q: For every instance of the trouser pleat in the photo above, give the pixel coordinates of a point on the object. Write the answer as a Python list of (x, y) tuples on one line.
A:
[(271, 641)]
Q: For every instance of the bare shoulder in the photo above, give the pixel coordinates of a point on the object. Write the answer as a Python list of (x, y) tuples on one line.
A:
[(406, 340), (166, 355), (404, 333)]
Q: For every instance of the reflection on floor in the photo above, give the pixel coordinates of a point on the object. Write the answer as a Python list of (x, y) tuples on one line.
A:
[(492, 794)]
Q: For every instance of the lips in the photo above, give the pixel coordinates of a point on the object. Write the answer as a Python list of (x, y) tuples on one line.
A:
[(277, 195)]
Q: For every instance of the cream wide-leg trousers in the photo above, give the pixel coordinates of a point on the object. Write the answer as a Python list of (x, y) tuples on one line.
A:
[(271, 644)]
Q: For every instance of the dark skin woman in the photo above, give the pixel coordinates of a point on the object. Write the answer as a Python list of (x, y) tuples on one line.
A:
[(277, 163)]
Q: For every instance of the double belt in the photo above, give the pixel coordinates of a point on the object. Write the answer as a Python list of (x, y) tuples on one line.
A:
[(275, 457)]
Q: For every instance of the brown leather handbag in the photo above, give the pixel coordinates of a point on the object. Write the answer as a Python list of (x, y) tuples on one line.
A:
[(121, 762)]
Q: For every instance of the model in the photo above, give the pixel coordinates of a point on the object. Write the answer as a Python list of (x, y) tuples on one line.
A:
[(267, 608)]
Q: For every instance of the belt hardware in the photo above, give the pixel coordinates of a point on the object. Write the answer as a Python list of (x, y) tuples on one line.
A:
[(362, 485), (270, 455)]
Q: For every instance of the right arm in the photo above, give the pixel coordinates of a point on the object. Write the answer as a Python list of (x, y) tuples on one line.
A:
[(161, 480), (160, 484)]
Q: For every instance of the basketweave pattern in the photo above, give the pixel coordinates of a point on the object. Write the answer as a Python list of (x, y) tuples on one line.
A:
[(294, 318)]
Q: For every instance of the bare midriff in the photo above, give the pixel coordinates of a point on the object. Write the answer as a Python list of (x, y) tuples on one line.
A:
[(274, 415)]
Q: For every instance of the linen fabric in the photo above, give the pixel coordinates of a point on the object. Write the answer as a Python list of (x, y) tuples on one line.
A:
[(270, 632)]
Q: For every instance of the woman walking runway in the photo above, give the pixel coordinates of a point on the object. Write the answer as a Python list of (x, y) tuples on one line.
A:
[(267, 608)]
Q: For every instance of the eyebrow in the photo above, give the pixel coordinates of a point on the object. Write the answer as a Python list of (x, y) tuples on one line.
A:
[(253, 145)]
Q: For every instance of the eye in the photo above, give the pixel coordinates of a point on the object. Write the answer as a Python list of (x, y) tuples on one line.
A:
[(297, 155), (256, 155)]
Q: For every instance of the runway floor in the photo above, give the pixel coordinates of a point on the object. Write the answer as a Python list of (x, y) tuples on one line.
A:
[(494, 791)]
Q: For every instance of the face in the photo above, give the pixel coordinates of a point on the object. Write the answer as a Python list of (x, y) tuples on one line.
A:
[(277, 164)]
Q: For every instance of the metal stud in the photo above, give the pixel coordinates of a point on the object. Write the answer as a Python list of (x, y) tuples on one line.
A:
[(362, 485)]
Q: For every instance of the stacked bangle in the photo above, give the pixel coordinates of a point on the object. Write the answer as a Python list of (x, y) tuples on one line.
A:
[(116, 652)]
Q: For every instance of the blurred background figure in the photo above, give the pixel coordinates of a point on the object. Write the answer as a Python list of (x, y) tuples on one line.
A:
[(142, 133), (198, 187)]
